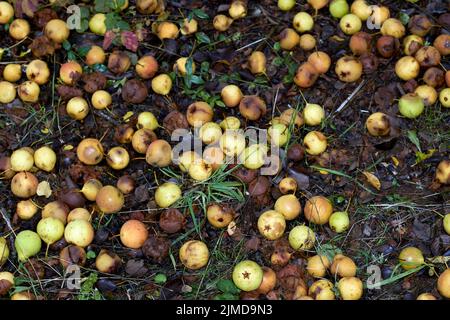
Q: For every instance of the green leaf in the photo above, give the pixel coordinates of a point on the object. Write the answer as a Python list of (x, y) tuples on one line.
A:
[(160, 278), (82, 51), (202, 38), (84, 25), (278, 61), (102, 6), (200, 14), (277, 46), (412, 136), (404, 18), (90, 254), (66, 45), (329, 251), (226, 296), (71, 55), (227, 286), (114, 21)]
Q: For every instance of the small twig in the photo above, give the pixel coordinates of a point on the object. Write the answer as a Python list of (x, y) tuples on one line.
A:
[(250, 44), (350, 97)]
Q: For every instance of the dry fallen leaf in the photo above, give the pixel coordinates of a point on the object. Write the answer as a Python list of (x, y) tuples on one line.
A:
[(231, 228), (373, 180), (44, 189)]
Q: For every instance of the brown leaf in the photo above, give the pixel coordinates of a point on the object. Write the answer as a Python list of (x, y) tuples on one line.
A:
[(129, 40)]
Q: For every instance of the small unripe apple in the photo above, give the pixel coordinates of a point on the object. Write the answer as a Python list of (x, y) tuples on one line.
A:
[(12, 72), (79, 214), (306, 75), (57, 30), (279, 134), (441, 43), (210, 132), (252, 107), (302, 238), (56, 209), (107, 261), (4, 250), (77, 108), (38, 71), (118, 158), (313, 114), (339, 221), (350, 288), (185, 160), (289, 39), (126, 184), (219, 216), (290, 116), (444, 97), (287, 185), (199, 170), (238, 9), (147, 6), (6, 12), (27, 244), (379, 14), (29, 91), (289, 206), (50, 230), (19, 29), (231, 95), (420, 25), (194, 254), (119, 62), (320, 60), (6, 171), (142, 139), (428, 56), (317, 266), (443, 284), (198, 113), (286, 5), (322, 290), (181, 64), (167, 30), (303, 22), (315, 142), (349, 69), (90, 151), (24, 184), (411, 105), (159, 153), (426, 296), (393, 27), (307, 42), (133, 234), (214, 156), (254, 156), (271, 224), (428, 94), (318, 210), (360, 43), (26, 209), (230, 123), (434, 77), (22, 160), (91, 188), (378, 124), (343, 266), (350, 24), (232, 143), (167, 194), (443, 172), (69, 72), (45, 158), (221, 22), (101, 99), (411, 258), (411, 44), (109, 199), (339, 8), (190, 26), (72, 255), (79, 232), (361, 9), (269, 281), (147, 120), (8, 92), (257, 62), (446, 221), (162, 84), (147, 67), (97, 24), (407, 68), (7, 282), (247, 275), (95, 55)]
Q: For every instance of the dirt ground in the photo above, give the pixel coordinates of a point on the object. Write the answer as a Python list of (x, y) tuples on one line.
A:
[(406, 209)]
